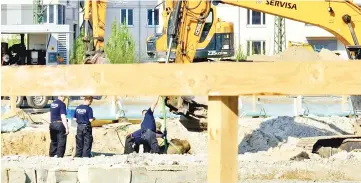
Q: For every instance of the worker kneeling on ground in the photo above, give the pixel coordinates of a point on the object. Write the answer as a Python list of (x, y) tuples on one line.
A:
[(58, 128), (84, 137), (146, 135)]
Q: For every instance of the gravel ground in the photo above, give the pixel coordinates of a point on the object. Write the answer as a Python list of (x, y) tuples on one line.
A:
[(265, 147), (339, 167)]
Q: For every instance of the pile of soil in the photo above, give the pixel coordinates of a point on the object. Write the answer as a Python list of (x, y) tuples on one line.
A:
[(35, 142), (297, 54)]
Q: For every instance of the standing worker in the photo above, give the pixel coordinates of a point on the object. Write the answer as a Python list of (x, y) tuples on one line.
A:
[(84, 137), (58, 128)]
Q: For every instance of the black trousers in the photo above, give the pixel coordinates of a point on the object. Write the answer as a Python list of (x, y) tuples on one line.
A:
[(58, 139), (84, 141), (131, 146), (149, 139)]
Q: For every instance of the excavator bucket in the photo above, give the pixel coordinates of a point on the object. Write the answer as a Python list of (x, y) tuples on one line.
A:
[(98, 58)]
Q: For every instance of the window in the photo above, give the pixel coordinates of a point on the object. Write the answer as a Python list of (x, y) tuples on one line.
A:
[(327, 44), (255, 18), (51, 13), (126, 16), (153, 17), (207, 26), (61, 14), (256, 47), (75, 30)]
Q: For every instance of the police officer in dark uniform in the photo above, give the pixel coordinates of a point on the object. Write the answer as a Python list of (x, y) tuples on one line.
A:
[(84, 137), (58, 128), (147, 135)]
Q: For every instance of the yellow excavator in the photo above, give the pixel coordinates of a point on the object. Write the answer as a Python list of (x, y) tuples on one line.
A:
[(188, 19), (300, 44), (94, 31), (216, 40)]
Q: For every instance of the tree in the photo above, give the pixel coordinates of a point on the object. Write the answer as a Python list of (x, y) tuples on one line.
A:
[(120, 47), (77, 55)]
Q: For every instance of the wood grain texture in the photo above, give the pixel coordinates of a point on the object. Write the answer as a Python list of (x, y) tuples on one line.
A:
[(212, 79), (222, 139)]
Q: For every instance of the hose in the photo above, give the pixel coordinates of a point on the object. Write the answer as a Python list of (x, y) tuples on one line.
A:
[(165, 126)]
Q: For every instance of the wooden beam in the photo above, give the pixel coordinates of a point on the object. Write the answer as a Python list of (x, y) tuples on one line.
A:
[(207, 79), (222, 139)]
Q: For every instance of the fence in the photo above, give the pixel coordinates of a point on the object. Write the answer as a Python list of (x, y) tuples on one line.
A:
[(221, 82)]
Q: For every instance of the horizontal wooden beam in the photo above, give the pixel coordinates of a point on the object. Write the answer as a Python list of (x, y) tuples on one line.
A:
[(212, 79)]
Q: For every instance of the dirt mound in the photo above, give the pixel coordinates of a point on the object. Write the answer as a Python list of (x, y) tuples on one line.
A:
[(298, 54), (326, 54), (263, 58), (36, 142), (284, 132), (108, 140)]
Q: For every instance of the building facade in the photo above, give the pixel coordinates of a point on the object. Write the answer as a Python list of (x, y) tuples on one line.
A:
[(141, 18)]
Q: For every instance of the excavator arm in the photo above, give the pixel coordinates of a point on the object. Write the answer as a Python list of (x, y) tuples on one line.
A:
[(342, 18), (94, 24)]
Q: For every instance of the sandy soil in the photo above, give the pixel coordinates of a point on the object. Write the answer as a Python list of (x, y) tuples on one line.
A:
[(265, 149)]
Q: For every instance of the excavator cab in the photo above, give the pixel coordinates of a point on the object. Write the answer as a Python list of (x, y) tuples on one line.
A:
[(216, 41)]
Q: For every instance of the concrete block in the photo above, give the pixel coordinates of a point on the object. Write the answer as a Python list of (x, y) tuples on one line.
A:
[(30, 175), (41, 175), (4, 175), (100, 175), (62, 176), (166, 174), (16, 175), (141, 175)]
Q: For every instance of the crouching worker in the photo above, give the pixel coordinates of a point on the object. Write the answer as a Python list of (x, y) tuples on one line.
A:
[(134, 140), (84, 137), (147, 135)]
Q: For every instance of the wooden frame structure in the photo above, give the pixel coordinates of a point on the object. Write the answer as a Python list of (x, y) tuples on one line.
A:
[(222, 82)]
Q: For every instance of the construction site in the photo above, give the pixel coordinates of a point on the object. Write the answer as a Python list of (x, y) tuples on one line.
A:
[(224, 116)]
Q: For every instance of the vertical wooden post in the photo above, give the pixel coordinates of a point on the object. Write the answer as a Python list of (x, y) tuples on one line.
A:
[(222, 139), (13, 103)]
